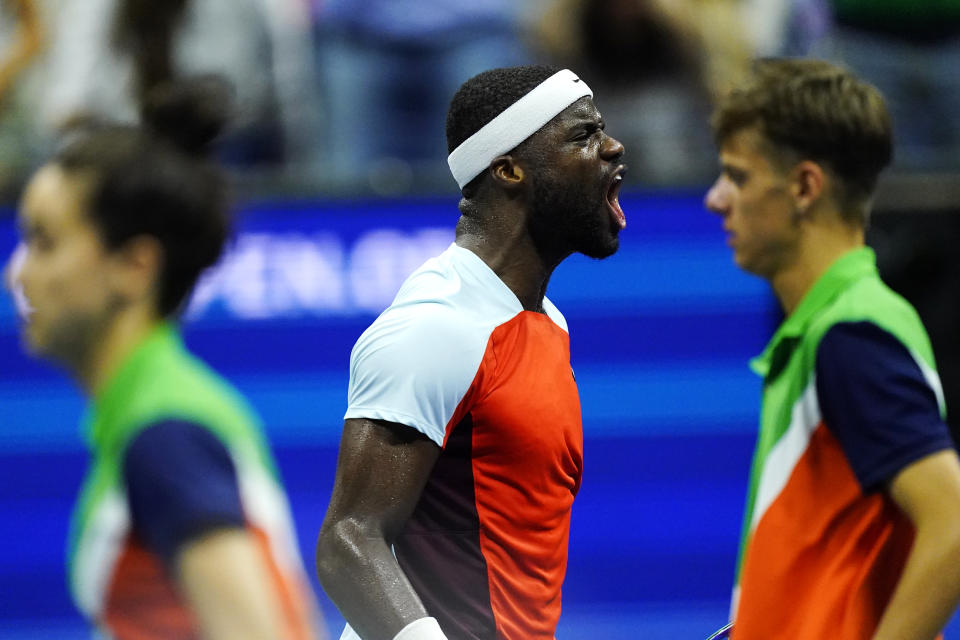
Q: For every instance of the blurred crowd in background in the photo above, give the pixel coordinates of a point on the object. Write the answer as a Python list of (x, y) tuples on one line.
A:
[(339, 97)]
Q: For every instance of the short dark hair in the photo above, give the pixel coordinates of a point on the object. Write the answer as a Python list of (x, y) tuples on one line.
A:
[(818, 111), (485, 96), (156, 180)]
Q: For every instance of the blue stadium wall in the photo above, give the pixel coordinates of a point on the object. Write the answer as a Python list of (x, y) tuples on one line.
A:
[(660, 337)]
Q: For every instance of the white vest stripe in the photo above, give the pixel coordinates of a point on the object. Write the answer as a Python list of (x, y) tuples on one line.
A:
[(783, 458)]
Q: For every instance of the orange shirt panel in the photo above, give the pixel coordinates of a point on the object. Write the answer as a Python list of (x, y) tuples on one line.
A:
[(825, 557), (143, 602), (528, 459)]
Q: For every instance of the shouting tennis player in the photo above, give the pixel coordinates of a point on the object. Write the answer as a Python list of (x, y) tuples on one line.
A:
[(461, 450)]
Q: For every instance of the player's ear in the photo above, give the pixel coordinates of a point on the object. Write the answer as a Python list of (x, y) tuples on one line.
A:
[(807, 183), (506, 172), (136, 267)]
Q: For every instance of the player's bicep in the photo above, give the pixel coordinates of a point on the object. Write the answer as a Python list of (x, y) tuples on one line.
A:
[(381, 471)]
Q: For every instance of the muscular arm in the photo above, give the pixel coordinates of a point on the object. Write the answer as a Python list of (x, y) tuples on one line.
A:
[(225, 578), (381, 472), (928, 491)]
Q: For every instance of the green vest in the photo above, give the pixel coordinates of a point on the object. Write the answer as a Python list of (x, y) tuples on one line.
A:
[(159, 381), (849, 291)]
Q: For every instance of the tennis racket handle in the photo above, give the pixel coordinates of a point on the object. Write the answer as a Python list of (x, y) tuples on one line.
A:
[(722, 633)]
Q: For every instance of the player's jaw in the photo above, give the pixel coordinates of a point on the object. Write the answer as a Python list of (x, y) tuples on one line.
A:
[(66, 304), (65, 335), (576, 216), (598, 227)]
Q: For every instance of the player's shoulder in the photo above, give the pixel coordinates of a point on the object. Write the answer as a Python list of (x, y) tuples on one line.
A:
[(419, 328), (175, 384), (870, 310), (450, 298), (871, 297)]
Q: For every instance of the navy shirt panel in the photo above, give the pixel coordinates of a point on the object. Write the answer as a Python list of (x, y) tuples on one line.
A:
[(181, 483), (875, 399)]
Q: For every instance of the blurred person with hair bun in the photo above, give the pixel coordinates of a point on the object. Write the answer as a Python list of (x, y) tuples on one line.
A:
[(182, 528)]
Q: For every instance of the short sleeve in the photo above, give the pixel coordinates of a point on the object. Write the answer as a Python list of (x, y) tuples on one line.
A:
[(181, 483), (878, 402), (413, 366)]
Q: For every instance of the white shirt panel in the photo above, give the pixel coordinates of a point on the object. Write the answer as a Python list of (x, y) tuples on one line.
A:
[(415, 363), (554, 314)]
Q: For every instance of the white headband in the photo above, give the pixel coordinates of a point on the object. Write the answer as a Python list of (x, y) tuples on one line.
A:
[(515, 124)]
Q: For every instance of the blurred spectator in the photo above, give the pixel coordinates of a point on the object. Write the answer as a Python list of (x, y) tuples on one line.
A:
[(657, 64), (388, 70), (777, 28), (22, 38), (910, 49), (21, 41), (107, 53)]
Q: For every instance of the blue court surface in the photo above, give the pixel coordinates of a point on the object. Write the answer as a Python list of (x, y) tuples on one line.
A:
[(660, 337)]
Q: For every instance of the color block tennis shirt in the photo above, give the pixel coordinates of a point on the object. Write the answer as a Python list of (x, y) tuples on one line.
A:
[(176, 454), (851, 397), (457, 358)]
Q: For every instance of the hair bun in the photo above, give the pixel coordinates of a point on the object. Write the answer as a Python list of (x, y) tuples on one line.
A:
[(189, 113)]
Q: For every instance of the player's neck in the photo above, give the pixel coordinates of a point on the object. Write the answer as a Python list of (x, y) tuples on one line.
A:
[(126, 331), (510, 253), (819, 248)]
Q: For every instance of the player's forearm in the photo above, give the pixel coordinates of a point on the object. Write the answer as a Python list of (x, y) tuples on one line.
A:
[(360, 574), (929, 589)]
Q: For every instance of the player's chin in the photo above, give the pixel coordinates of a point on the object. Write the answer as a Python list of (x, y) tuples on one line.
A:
[(751, 264), (601, 245), (31, 337)]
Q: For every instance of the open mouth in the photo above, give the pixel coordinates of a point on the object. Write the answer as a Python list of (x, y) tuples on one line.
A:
[(613, 198)]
